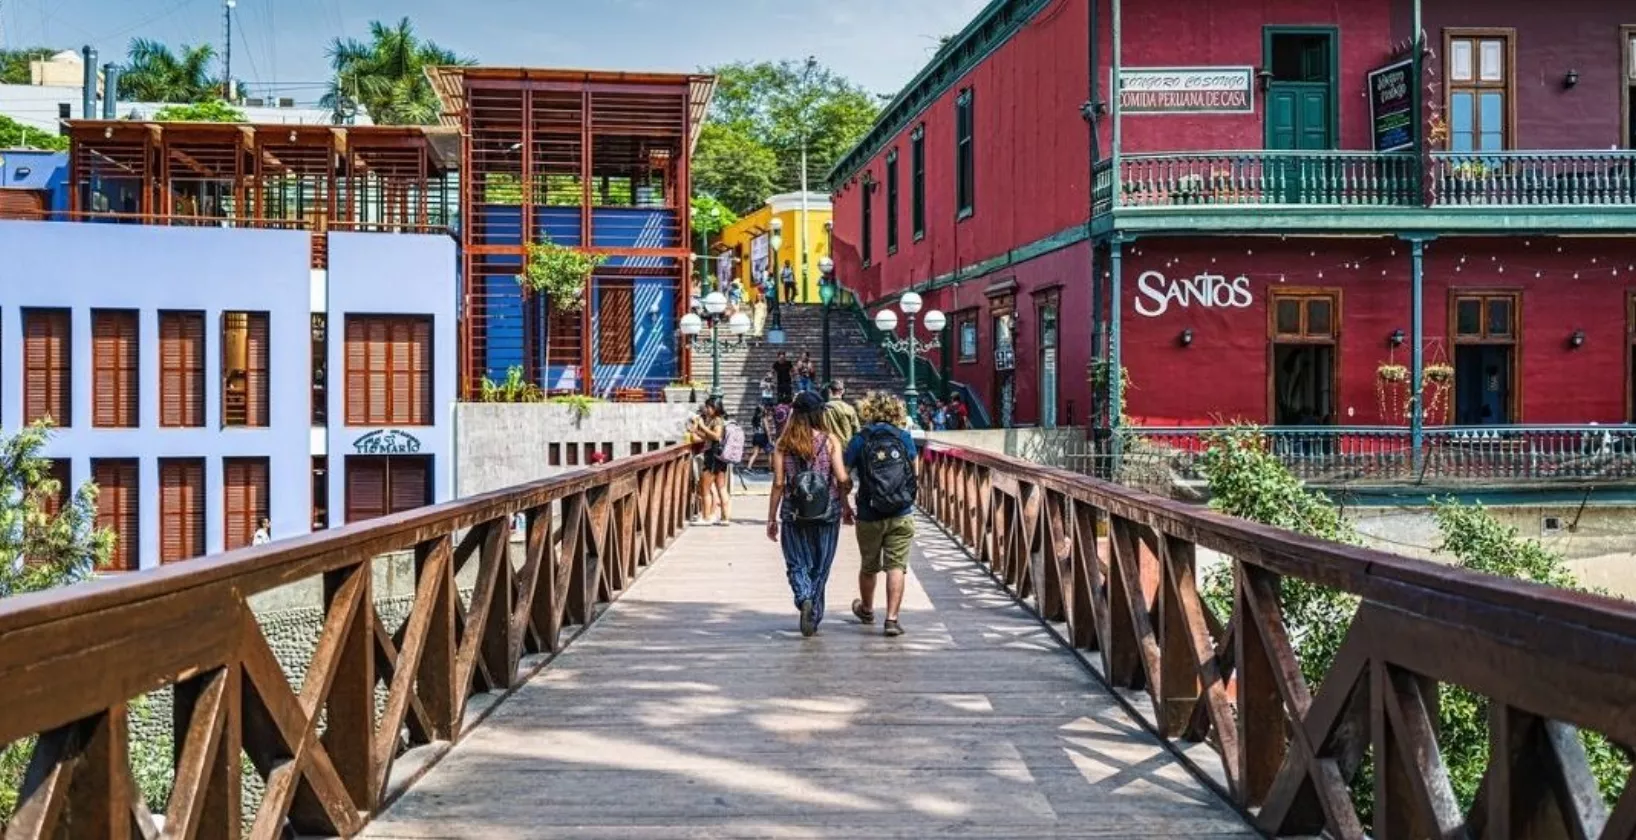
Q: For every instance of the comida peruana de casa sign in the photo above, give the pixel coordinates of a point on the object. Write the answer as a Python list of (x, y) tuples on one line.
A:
[(387, 442)]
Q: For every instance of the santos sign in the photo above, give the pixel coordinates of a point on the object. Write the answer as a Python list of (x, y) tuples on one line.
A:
[(1155, 293)]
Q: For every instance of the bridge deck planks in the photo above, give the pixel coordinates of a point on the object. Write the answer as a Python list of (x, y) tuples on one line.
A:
[(695, 709)]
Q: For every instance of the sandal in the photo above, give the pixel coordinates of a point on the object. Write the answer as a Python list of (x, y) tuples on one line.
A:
[(893, 628), (864, 616)]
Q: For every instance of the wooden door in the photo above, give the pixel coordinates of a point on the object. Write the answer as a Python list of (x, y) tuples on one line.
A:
[(181, 509), (245, 499)]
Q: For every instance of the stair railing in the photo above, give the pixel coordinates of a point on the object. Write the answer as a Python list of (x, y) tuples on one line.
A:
[(927, 374)]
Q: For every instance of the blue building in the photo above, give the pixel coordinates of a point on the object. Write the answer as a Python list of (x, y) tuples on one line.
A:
[(33, 183), (286, 355)]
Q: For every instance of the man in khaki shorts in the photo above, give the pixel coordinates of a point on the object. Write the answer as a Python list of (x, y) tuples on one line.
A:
[(881, 458)]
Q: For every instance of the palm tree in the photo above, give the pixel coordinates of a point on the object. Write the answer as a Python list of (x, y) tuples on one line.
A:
[(386, 75), (155, 74)]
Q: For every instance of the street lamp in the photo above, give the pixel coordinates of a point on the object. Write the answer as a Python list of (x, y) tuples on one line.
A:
[(909, 345), (714, 307), (775, 334), (826, 293)]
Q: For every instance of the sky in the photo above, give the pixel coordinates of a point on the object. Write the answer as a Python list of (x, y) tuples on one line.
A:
[(279, 46)]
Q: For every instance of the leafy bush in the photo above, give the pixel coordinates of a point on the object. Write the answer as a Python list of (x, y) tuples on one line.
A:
[(1248, 481), (560, 272), (515, 389), (578, 404), (214, 111)]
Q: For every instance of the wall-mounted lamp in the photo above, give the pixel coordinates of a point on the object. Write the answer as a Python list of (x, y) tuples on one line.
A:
[(1577, 340), (1186, 338), (1396, 339), (1571, 79), (1263, 79)]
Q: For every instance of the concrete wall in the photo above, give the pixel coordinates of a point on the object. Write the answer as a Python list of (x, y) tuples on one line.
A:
[(397, 274), (1043, 446), (500, 445)]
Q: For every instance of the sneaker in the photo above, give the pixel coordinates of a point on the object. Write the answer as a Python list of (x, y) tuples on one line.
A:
[(809, 624), (893, 628), (723, 522), (864, 616)]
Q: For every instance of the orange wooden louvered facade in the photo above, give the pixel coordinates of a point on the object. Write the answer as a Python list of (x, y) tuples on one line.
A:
[(388, 370), (181, 509), (24, 205), (381, 485), (181, 369), (115, 368), (119, 509), (245, 499), (616, 323), (47, 366)]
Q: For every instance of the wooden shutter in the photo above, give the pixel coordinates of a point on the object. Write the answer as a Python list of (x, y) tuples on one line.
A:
[(420, 372), (616, 324), (60, 473), (357, 372), (256, 385), (389, 371), (401, 392), (115, 362), (22, 204), (406, 482), (245, 499), (181, 369), (47, 366), (366, 487), (181, 509), (119, 509)]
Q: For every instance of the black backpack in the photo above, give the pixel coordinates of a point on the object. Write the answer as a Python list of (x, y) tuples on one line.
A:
[(808, 492), (887, 478)]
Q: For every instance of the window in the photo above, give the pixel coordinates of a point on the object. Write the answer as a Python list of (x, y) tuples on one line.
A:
[(892, 202), (381, 485), (1479, 89), (867, 244), (115, 361), (244, 369), (1304, 316), (616, 322), (320, 492), (181, 369), (965, 154), (917, 178), (1628, 37), (389, 371), (1305, 332), (967, 332), (47, 355), (119, 510), (320, 368), (1484, 326), (244, 496), (181, 509)]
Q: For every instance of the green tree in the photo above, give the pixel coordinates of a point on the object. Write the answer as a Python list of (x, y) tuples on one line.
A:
[(1247, 480), (772, 110), (14, 134), (154, 73), (14, 64), (214, 111), (710, 216), (386, 75), (60, 549)]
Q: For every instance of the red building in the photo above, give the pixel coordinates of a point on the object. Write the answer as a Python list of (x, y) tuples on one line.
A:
[(1300, 216)]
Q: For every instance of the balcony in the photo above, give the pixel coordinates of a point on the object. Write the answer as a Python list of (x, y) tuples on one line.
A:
[(1385, 455), (1366, 192)]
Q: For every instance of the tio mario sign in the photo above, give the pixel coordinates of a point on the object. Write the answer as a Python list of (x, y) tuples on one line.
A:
[(387, 442), (1155, 293)]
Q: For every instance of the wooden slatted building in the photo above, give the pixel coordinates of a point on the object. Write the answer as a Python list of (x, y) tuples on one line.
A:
[(594, 160)]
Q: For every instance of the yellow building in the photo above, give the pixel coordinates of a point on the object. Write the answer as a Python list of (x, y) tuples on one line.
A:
[(749, 241)]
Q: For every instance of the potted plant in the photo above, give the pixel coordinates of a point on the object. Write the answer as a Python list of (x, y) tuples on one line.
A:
[(681, 391), (560, 272)]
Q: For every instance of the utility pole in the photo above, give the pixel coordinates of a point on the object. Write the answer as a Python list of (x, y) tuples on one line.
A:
[(801, 237), (227, 49)]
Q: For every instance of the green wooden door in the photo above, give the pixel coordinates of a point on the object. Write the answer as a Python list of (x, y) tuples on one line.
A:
[(1298, 119)]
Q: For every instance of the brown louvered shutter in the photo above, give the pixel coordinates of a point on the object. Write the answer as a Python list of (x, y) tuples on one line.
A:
[(181, 509), (366, 487), (181, 369), (60, 473), (420, 372), (400, 337), (378, 364), (245, 499), (47, 366), (115, 361), (616, 324), (357, 372), (119, 510), (257, 358), (407, 480), (22, 204)]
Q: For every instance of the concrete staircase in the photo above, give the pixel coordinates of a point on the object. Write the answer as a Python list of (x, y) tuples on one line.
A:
[(853, 359)]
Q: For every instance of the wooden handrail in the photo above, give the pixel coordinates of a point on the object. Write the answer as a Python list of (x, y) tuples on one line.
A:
[(71, 659), (1543, 657)]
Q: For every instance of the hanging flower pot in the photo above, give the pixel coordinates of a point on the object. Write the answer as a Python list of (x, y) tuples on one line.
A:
[(1439, 374)]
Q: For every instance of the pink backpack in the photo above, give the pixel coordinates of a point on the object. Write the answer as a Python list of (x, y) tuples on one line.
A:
[(732, 444)]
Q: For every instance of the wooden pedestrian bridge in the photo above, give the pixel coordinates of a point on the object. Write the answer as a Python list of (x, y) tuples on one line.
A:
[(614, 674)]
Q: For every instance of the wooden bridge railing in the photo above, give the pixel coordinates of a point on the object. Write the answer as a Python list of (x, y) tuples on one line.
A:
[(72, 659), (1547, 660)]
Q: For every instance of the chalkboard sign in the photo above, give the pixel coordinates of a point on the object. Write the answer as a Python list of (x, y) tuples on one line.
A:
[(1391, 106)]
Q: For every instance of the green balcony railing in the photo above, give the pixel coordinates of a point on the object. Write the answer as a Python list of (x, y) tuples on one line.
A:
[(1256, 178), (1534, 179)]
